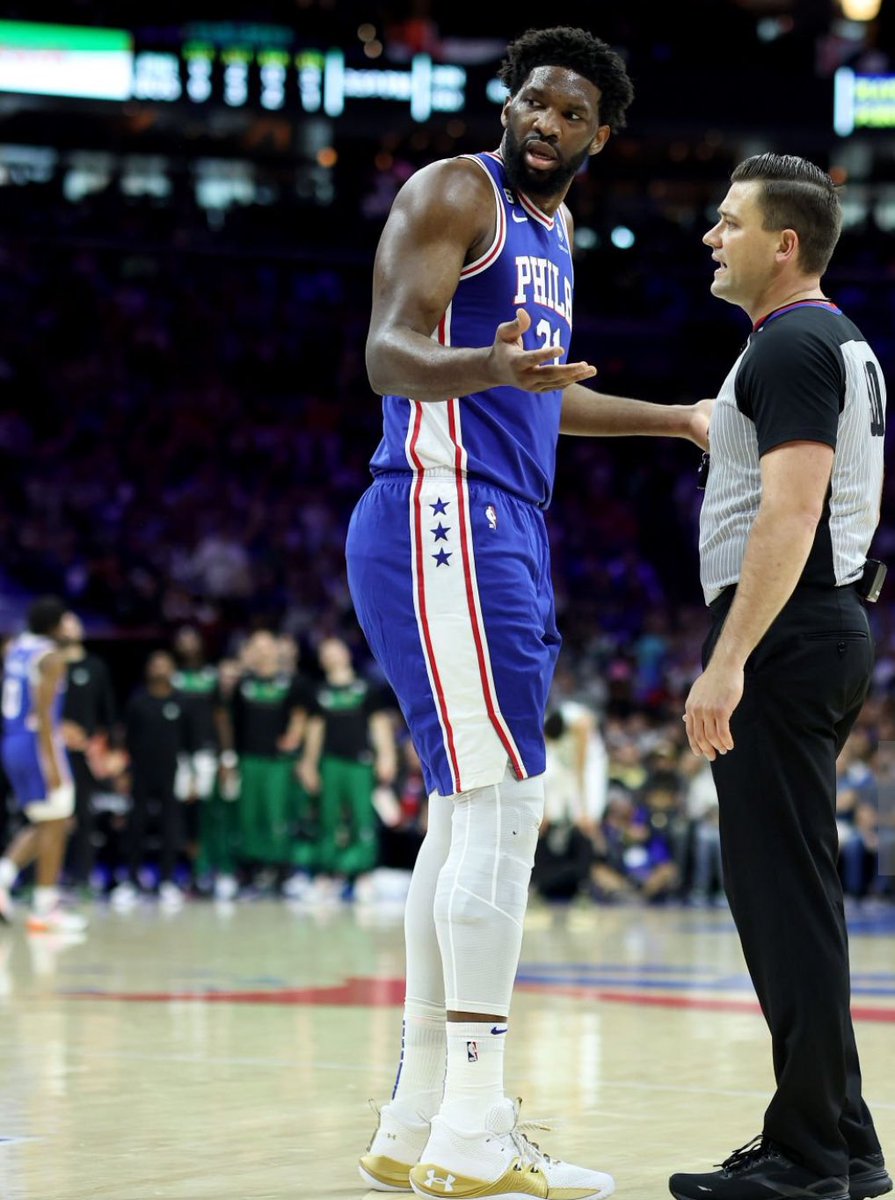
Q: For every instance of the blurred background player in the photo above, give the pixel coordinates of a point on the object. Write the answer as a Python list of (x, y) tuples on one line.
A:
[(158, 735), (206, 814), (261, 727), (37, 766), (350, 748), (88, 719)]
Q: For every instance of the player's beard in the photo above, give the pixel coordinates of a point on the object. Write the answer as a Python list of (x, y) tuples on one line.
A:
[(523, 179)]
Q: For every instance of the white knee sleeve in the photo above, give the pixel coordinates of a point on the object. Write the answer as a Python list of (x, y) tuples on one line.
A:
[(482, 892), (58, 806), (425, 977)]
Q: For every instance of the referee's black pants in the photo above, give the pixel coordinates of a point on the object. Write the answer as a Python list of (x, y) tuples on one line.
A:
[(805, 684)]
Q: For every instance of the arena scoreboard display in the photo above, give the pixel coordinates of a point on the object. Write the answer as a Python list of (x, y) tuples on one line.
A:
[(268, 68)]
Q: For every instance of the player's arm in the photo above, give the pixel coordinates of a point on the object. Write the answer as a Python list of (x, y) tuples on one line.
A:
[(223, 724), (382, 737), (443, 217), (309, 764), (795, 477), (586, 413), (50, 670), (294, 733)]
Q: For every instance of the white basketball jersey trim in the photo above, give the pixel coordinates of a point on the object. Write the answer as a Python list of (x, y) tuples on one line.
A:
[(484, 261), (477, 739)]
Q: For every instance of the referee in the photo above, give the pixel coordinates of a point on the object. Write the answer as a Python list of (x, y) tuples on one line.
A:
[(791, 505)]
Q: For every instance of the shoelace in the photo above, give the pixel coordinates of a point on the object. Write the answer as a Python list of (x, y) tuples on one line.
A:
[(375, 1107), (746, 1156), (529, 1152)]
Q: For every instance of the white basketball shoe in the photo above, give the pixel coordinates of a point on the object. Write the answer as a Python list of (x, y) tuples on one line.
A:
[(57, 920), (500, 1163), (395, 1147)]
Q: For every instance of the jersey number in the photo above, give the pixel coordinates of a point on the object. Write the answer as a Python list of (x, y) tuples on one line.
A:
[(548, 336), (12, 699), (874, 391)]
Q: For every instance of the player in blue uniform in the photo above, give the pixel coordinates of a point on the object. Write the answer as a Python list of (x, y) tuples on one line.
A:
[(449, 571), (36, 765)]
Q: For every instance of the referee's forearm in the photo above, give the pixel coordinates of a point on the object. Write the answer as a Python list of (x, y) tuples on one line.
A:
[(775, 556)]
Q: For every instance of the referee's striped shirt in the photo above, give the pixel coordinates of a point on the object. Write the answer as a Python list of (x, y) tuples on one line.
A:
[(806, 374)]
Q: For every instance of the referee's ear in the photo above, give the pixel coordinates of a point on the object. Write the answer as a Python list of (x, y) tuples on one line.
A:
[(788, 246)]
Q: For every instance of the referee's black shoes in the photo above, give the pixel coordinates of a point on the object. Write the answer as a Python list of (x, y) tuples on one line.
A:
[(868, 1177), (760, 1171)]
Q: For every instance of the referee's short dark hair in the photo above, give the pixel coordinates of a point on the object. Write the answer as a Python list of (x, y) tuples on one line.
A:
[(44, 614), (797, 195)]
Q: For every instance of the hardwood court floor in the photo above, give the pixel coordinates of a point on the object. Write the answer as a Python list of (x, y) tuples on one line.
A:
[(230, 1054)]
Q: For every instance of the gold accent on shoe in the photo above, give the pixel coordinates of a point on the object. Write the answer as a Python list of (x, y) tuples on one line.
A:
[(385, 1174), (518, 1179)]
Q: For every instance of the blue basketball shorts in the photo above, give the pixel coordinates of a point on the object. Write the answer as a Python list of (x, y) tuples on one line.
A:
[(450, 579), (25, 772)]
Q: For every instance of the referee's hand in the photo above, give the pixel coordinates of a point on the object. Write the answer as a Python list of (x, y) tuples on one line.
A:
[(710, 705)]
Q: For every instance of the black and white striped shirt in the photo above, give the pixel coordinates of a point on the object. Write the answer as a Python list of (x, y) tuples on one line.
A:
[(806, 374)]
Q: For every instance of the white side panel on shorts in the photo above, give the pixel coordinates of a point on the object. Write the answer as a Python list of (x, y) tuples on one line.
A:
[(477, 739)]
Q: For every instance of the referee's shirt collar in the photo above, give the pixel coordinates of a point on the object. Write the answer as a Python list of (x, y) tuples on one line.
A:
[(785, 308)]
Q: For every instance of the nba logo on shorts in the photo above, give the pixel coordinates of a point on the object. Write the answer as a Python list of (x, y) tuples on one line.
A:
[(472, 1052), (491, 515)]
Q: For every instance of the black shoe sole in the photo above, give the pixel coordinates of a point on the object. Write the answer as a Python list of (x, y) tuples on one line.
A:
[(846, 1196), (861, 1195), (869, 1184)]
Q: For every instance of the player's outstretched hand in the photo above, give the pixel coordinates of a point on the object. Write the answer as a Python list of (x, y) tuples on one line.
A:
[(531, 370)]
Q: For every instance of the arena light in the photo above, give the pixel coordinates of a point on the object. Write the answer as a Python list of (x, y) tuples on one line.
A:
[(860, 10), (65, 60), (622, 237)]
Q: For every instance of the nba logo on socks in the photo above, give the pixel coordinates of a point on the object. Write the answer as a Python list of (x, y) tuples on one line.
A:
[(472, 1052)]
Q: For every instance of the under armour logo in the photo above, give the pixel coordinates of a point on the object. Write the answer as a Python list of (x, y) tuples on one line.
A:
[(491, 515), (446, 1182)]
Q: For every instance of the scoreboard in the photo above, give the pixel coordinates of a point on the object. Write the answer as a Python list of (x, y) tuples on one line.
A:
[(309, 81), (234, 66)]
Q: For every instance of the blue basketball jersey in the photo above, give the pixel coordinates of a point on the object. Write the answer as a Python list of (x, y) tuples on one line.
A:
[(19, 682), (504, 435)]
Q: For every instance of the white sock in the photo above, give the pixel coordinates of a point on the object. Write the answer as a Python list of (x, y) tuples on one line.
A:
[(420, 1082), (8, 873), (45, 900), (474, 1080)]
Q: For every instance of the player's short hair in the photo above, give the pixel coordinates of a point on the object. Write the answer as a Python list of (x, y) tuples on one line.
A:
[(579, 51), (796, 194), (45, 614)]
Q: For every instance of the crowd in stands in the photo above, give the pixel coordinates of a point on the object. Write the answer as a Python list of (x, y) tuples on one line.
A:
[(285, 771), (185, 425)]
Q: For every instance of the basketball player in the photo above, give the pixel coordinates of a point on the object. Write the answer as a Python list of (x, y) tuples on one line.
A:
[(88, 718), (36, 764), (449, 571)]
